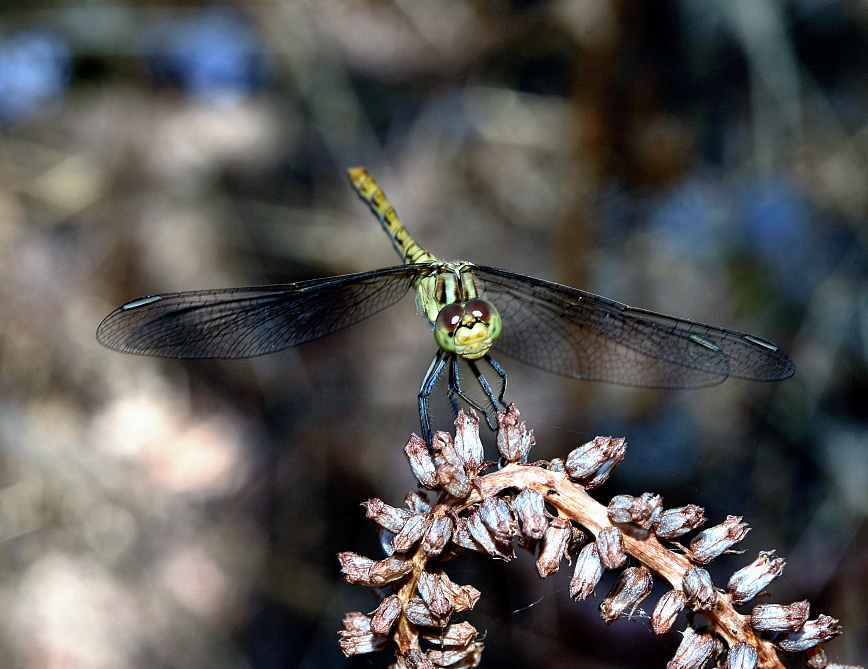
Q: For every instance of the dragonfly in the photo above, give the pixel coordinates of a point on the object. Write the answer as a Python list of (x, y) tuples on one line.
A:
[(471, 309)]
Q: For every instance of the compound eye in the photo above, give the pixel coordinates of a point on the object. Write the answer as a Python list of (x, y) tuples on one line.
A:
[(449, 318), (481, 309)]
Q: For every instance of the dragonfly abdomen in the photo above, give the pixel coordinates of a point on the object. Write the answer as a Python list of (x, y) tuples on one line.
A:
[(376, 199)]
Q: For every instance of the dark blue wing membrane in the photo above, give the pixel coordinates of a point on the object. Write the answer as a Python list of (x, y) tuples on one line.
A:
[(246, 322), (575, 333)]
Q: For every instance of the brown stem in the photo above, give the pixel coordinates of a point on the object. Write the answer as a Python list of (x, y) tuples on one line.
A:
[(573, 501)]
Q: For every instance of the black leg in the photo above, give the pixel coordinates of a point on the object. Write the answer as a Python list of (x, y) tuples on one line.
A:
[(438, 364), (502, 374), (455, 386), (483, 383)]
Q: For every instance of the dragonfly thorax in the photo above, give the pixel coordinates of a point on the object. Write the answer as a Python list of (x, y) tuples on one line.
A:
[(468, 329)]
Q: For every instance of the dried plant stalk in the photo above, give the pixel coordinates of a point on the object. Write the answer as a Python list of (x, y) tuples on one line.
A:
[(483, 512)]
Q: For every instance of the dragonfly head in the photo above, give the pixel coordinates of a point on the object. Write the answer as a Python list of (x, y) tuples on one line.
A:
[(468, 329)]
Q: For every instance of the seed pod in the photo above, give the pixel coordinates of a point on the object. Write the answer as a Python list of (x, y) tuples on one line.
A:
[(667, 610), (780, 618), (610, 543), (741, 656), (439, 532), (694, 650), (385, 615), (749, 581), (388, 570), (529, 507), (356, 568), (421, 461), (456, 634), (587, 573), (451, 474), (496, 515), (430, 589), (699, 589), (812, 632), (462, 597), (386, 516), (592, 463), (513, 439), (413, 659), (451, 656), (632, 586), (714, 541), (357, 638), (417, 502), (418, 613), (467, 442), (414, 529), (673, 523), (483, 536), (461, 536), (640, 511), (554, 546)]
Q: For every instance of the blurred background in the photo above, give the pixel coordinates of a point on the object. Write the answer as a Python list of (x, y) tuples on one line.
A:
[(704, 159)]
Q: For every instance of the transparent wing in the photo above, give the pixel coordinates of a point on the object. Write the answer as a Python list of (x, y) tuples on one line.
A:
[(246, 322), (574, 333)]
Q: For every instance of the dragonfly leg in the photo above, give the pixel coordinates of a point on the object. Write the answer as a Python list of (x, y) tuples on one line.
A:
[(502, 374), (483, 383), (438, 364), (455, 386)]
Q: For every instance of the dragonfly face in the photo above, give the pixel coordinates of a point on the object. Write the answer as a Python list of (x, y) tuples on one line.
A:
[(554, 327), (468, 329)]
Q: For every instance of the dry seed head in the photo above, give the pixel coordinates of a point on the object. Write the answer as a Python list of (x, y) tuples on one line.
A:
[(529, 507), (514, 441), (413, 659), (421, 461), (357, 638), (667, 610), (388, 570), (467, 442), (741, 656), (439, 532), (588, 571), (451, 656), (694, 650), (713, 542), (554, 546), (749, 581), (417, 502), (456, 634), (673, 523), (430, 589), (461, 536), (640, 511), (815, 658), (386, 615), (632, 586), (780, 618), (418, 613), (414, 529), (610, 542), (699, 590), (592, 463), (389, 517), (812, 632)]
